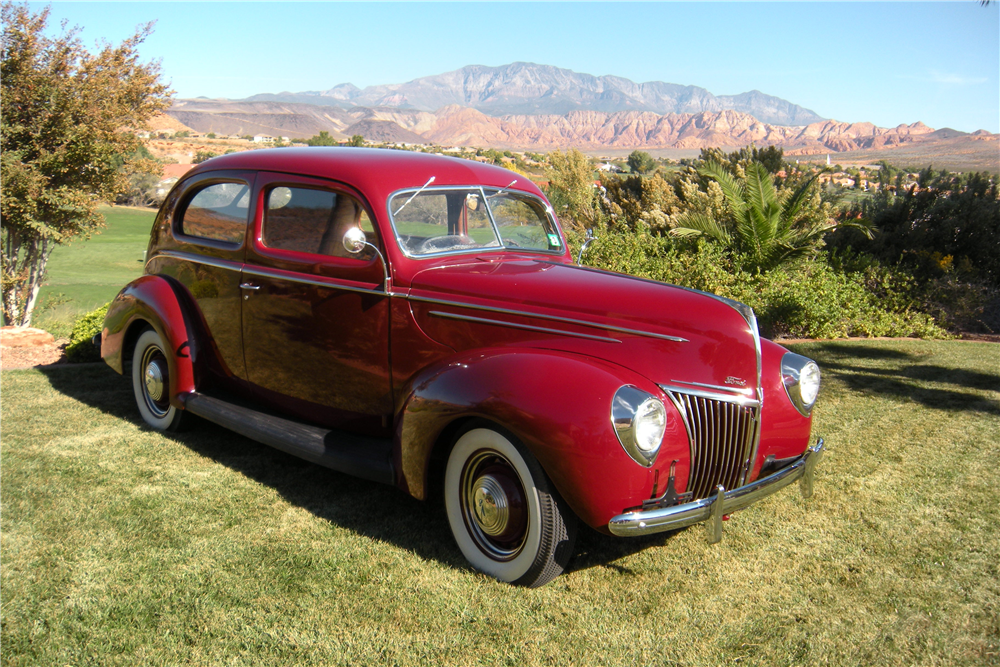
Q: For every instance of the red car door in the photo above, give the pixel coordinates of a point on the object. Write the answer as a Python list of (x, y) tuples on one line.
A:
[(315, 318)]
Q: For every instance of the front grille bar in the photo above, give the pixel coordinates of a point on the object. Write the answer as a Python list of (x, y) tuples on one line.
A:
[(722, 433)]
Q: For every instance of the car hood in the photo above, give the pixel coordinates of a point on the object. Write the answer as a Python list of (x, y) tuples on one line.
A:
[(671, 335)]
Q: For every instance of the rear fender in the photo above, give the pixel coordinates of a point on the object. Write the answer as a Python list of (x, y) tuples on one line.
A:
[(152, 301), (557, 403)]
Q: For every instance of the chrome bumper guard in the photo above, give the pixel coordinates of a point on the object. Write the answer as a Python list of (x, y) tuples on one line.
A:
[(722, 503)]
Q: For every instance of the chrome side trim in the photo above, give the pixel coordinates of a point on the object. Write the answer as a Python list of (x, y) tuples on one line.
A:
[(329, 283), (744, 401), (540, 316), (632, 524), (558, 332), (197, 259), (718, 387)]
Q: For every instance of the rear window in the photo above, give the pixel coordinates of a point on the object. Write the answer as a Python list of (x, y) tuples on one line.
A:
[(217, 212)]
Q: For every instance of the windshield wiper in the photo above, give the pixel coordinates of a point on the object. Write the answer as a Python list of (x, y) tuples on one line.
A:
[(502, 190), (429, 181)]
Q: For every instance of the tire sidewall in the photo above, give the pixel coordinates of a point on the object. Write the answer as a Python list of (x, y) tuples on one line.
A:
[(469, 443), (150, 338)]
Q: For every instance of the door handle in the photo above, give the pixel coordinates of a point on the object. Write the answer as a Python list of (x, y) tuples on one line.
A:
[(249, 286)]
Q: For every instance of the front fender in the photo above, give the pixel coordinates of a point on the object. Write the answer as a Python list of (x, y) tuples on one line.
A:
[(152, 300), (557, 403)]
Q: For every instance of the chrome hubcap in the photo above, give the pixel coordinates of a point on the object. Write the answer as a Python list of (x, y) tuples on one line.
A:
[(493, 505), (490, 505), (154, 380)]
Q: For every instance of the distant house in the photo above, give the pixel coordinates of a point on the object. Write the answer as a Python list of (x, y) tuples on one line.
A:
[(607, 166), (263, 139)]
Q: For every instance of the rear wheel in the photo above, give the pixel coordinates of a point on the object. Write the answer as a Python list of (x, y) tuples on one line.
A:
[(151, 382), (505, 516)]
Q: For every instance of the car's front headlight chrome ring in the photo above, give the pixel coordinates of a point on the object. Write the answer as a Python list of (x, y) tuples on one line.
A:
[(801, 378), (640, 420)]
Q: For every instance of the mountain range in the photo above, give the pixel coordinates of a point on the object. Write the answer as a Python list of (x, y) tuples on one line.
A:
[(527, 106), (530, 89), (457, 125)]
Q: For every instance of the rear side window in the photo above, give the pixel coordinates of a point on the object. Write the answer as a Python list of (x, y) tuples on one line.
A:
[(314, 221), (217, 212)]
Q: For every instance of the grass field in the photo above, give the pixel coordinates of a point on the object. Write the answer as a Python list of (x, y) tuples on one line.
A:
[(88, 273), (122, 546)]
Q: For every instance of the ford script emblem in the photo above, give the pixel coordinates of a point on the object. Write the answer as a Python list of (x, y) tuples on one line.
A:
[(739, 382)]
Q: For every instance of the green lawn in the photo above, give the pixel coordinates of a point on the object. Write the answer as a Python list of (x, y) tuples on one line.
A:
[(122, 546), (88, 273)]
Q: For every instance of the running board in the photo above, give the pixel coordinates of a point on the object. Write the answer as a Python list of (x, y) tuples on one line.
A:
[(359, 456)]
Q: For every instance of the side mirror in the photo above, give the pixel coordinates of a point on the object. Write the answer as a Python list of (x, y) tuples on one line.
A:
[(355, 240)]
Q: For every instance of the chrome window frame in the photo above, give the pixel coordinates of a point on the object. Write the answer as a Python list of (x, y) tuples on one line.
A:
[(184, 202), (489, 211)]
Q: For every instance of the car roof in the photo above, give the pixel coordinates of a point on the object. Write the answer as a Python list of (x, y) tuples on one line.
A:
[(376, 172)]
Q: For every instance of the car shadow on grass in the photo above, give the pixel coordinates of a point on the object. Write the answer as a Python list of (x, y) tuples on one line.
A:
[(902, 376), (376, 511)]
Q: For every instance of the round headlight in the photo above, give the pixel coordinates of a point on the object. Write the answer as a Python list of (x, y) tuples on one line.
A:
[(649, 424), (801, 379), (640, 421), (809, 383)]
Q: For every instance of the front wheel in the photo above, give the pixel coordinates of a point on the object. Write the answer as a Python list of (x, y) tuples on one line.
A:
[(504, 513), (151, 382)]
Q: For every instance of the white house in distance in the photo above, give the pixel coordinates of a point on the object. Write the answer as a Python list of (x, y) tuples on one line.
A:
[(263, 139)]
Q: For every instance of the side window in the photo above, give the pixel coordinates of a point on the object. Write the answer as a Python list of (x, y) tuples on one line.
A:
[(314, 221), (217, 212)]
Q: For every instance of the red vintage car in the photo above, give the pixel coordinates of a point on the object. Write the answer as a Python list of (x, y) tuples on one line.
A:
[(418, 320)]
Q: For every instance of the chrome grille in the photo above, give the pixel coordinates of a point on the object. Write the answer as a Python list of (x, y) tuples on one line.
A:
[(723, 436)]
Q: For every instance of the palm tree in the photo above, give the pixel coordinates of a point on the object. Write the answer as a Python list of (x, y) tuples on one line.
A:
[(765, 227)]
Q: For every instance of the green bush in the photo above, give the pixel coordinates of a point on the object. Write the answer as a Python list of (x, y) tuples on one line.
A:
[(81, 348), (805, 299)]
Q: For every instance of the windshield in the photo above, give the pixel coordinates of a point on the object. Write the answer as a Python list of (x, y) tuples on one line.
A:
[(447, 220)]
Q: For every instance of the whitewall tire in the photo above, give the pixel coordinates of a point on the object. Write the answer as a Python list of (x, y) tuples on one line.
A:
[(151, 382), (505, 515)]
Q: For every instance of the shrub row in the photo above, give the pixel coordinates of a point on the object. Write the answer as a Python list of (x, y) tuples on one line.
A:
[(81, 347), (806, 299)]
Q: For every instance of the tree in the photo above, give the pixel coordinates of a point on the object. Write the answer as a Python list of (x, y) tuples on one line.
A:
[(640, 162), (322, 139), (67, 119), (950, 216), (765, 227), (571, 189), (202, 156), (356, 140), (144, 174)]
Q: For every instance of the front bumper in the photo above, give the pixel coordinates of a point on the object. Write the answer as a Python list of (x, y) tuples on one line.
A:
[(721, 504)]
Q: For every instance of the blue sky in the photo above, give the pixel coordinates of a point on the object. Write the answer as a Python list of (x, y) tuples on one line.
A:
[(886, 63)]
